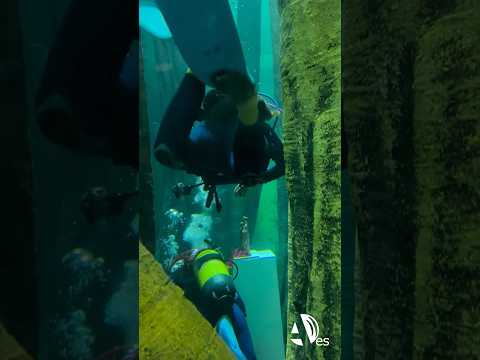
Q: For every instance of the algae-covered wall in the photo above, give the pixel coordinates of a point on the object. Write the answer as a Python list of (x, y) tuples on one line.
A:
[(9, 347), (377, 109), (170, 326), (447, 164), (410, 106), (310, 71)]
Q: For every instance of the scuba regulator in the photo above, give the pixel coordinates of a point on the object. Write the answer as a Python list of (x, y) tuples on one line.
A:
[(180, 190)]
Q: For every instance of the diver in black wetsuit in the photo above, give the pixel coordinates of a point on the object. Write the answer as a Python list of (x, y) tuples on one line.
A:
[(205, 136), (87, 99), (206, 282)]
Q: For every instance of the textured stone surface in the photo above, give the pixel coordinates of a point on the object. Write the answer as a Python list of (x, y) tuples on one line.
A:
[(410, 106), (310, 70), (447, 164), (170, 326), (9, 348), (377, 64)]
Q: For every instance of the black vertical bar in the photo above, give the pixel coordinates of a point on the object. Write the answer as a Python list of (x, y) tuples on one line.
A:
[(18, 309)]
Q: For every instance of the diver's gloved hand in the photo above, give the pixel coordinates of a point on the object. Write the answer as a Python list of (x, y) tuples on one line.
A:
[(240, 190), (251, 179), (58, 122)]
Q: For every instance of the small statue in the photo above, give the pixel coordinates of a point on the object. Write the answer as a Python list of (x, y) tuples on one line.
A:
[(244, 249)]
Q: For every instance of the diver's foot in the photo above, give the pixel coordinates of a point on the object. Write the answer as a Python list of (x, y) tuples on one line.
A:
[(165, 156), (57, 122), (190, 73)]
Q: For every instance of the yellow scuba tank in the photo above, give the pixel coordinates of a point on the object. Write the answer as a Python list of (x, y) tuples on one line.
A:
[(213, 277)]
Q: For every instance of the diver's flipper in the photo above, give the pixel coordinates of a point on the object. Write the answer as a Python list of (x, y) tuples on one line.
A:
[(206, 36), (165, 156), (152, 21)]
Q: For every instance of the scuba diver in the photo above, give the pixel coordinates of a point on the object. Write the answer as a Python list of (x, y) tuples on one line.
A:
[(220, 136), (206, 279)]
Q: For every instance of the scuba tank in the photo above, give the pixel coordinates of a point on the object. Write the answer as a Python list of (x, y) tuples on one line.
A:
[(214, 278)]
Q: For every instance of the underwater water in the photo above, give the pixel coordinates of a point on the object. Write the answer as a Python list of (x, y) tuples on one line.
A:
[(185, 223), (85, 214)]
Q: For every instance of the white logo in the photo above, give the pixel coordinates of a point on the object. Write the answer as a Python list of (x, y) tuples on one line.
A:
[(311, 328)]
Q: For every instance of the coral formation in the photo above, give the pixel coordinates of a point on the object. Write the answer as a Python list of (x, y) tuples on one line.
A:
[(74, 336), (175, 217), (122, 308), (83, 272), (166, 250)]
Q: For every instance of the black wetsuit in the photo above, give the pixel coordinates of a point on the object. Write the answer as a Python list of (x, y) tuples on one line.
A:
[(222, 151), (93, 67)]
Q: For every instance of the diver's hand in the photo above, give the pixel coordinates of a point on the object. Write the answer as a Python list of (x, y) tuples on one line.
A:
[(240, 190), (251, 179)]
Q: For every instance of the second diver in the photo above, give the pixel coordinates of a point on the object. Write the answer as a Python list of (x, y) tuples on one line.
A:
[(220, 136)]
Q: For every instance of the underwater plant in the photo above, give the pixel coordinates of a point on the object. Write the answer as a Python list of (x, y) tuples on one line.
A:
[(167, 249), (122, 308), (75, 339), (83, 271), (176, 219)]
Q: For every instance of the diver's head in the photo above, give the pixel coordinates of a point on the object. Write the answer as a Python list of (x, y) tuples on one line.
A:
[(218, 106)]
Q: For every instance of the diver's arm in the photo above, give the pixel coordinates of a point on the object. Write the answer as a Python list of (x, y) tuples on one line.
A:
[(275, 153), (275, 150), (274, 173)]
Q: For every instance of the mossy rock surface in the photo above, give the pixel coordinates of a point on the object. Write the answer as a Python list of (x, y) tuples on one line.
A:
[(9, 347), (170, 326), (310, 70), (410, 109)]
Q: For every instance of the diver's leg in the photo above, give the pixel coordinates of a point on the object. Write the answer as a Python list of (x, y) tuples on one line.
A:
[(241, 330), (76, 92), (225, 330), (249, 150), (183, 110)]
